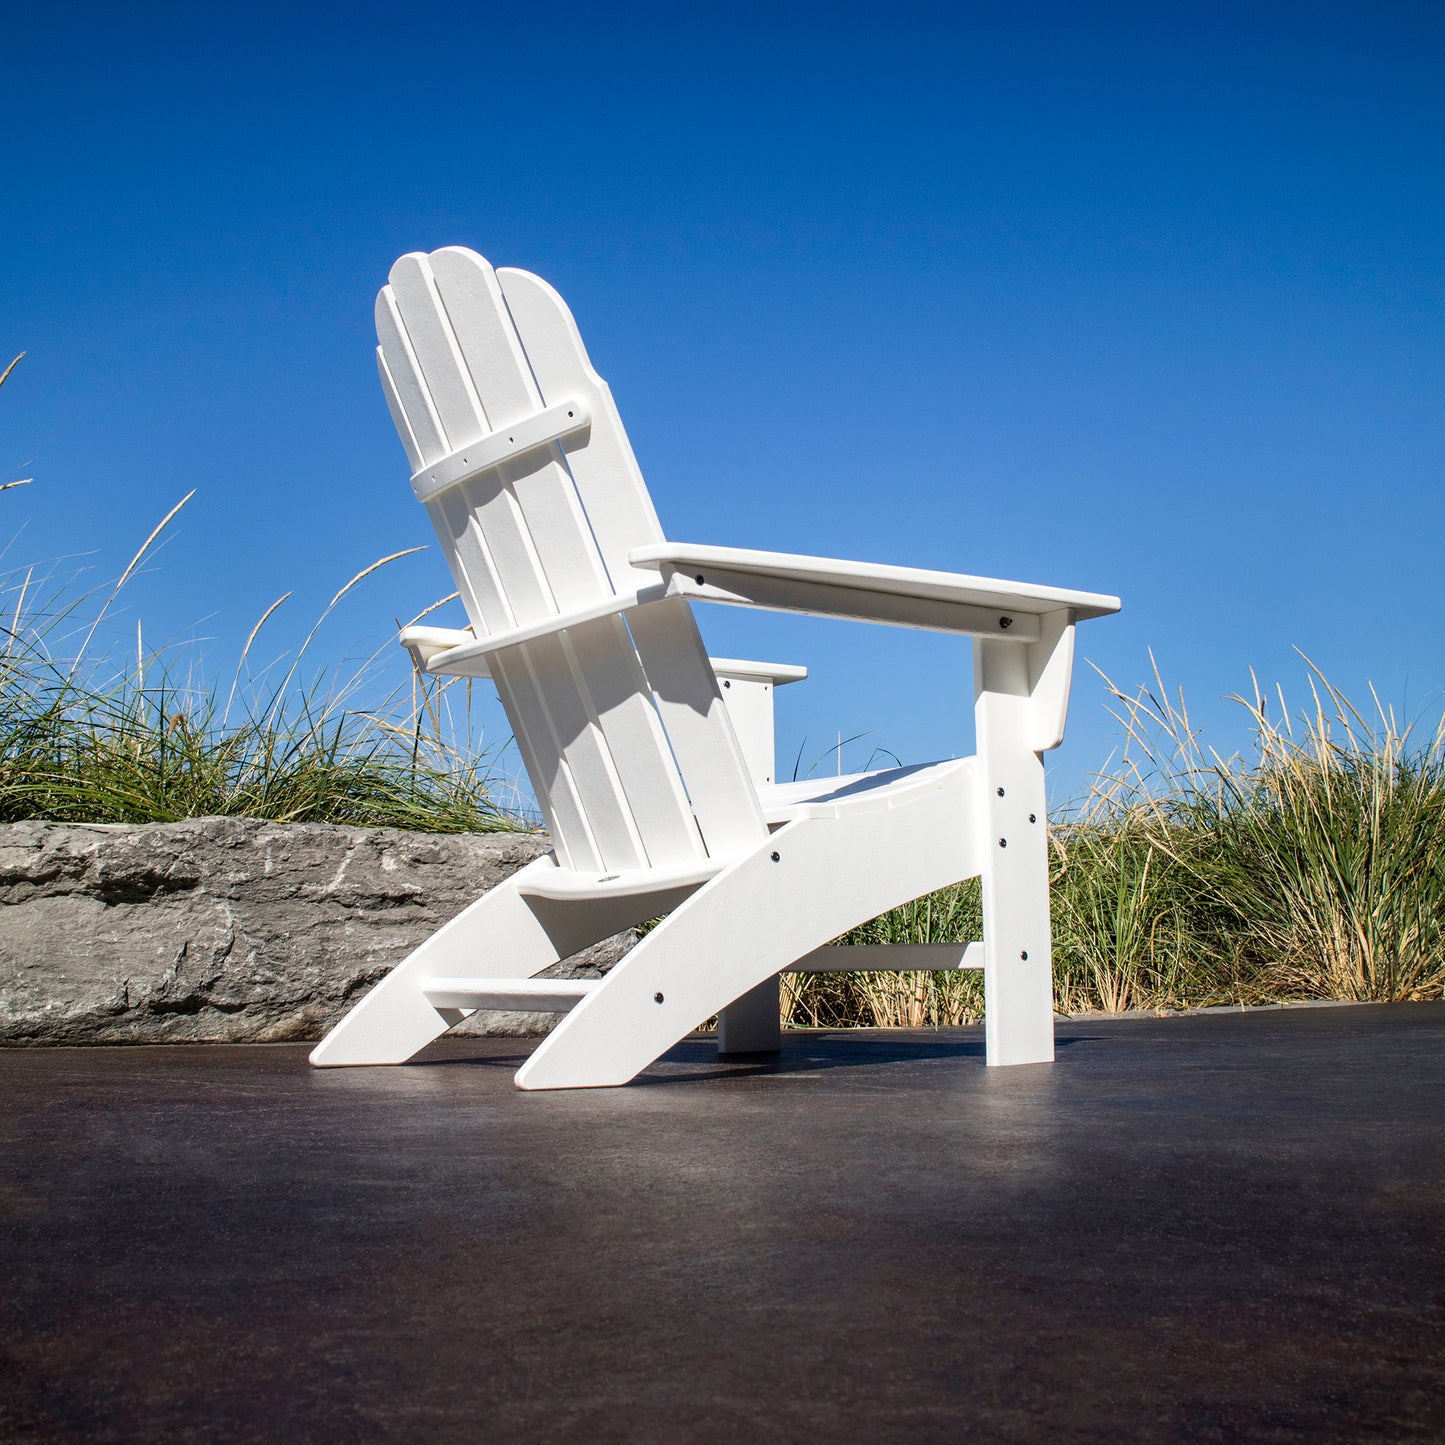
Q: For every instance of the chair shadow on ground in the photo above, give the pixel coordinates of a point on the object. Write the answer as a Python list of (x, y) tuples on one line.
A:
[(804, 1051)]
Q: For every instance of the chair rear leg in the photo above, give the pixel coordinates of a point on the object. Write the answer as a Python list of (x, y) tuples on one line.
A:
[(753, 1023)]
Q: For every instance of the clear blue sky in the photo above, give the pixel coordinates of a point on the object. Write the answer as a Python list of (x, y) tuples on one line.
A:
[(1139, 298)]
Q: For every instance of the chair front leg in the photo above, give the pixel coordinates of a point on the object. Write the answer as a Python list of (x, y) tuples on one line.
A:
[(1020, 697)]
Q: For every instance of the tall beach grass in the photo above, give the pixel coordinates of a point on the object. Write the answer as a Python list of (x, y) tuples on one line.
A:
[(150, 737), (1311, 868)]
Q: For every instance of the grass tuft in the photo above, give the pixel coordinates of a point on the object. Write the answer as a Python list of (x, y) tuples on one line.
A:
[(1312, 869), (144, 739)]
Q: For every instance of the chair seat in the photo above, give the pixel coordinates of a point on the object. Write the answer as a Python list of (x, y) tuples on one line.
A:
[(823, 797), (781, 803)]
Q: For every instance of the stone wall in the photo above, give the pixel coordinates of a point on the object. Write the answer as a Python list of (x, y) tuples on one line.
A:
[(229, 929)]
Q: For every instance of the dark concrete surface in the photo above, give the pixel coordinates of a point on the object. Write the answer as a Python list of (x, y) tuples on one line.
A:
[(1208, 1228)]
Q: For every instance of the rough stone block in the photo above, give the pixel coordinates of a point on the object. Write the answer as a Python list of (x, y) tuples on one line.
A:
[(230, 929)]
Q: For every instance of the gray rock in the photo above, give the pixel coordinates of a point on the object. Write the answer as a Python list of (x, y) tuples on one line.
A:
[(230, 929)]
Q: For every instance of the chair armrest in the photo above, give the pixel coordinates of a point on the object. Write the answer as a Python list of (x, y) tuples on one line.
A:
[(870, 592), (425, 643), (776, 674), (465, 654)]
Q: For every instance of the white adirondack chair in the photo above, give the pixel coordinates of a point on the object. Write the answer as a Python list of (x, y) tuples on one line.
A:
[(580, 613)]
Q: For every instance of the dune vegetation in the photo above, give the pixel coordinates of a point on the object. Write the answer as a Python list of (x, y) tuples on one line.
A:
[(1312, 868)]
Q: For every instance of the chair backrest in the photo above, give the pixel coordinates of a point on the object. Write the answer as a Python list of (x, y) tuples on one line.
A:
[(618, 720)]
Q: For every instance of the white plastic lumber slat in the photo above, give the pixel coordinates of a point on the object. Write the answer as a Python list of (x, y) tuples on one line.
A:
[(425, 643), (747, 689), (623, 768), (472, 568), (889, 958), (749, 701), (903, 582), (690, 704), (522, 551), (411, 406), (564, 550), (1012, 834), (560, 707), (750, 1024), (434, 639), (535, 537), (411, 391), (464, 418), (496, 362), (1051, 670), (461, 412), (606, 473), (419, 308), (581, 743), (613, 680), (557, 793), (556, 424), (509, 545), (541, 995), (398, 413)]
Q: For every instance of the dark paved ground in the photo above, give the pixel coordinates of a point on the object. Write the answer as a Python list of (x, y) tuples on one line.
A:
[(1210, 1228)]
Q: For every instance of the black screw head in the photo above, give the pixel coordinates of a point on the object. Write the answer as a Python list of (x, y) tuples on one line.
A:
[(1003, 842), (1032, 819), (777, 857), (1005, 623), (726, 683), (698, 579), (1024, 954), (999, 791), (657, 998)]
